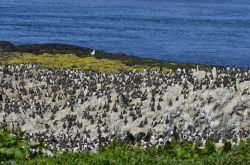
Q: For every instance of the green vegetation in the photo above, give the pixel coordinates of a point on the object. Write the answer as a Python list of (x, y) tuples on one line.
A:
[(13, 145), (98, 64), (14, 149)]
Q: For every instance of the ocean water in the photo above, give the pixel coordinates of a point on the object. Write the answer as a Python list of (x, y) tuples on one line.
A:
[(200, 31)]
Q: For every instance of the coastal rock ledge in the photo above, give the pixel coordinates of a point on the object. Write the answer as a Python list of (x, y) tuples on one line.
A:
[(83, 110)]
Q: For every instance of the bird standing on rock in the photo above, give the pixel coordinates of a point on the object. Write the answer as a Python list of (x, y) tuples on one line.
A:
[(1, 97), (92, 53)]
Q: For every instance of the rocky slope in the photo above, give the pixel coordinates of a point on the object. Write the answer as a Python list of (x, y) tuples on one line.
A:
[(76, 110)]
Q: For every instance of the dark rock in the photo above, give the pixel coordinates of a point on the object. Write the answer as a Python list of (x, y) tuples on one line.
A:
[(6, 46), (53, 48)]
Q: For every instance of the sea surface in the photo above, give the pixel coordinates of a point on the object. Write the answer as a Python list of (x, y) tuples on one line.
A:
[(200, 31)]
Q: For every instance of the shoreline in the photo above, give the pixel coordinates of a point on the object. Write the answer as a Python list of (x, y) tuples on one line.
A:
[(58, 48)]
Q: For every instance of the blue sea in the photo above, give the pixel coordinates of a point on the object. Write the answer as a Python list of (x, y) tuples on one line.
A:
[(200, 31)]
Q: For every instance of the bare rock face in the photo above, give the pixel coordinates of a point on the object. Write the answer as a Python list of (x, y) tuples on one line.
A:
[(6, 46)]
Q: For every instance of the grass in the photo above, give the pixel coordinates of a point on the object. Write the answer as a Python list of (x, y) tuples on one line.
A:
[(97, 64), (70, 61), (14, 149)]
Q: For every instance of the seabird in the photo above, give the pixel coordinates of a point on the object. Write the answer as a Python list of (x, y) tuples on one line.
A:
[(92, 53)]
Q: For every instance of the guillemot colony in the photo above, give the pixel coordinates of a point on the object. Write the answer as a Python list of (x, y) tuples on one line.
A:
[(83, 110)]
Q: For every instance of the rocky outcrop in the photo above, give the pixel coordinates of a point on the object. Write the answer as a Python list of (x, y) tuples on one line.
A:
[(53, 48), (6, 46)]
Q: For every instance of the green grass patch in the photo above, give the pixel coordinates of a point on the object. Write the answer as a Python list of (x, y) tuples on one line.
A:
[(97, 64)]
